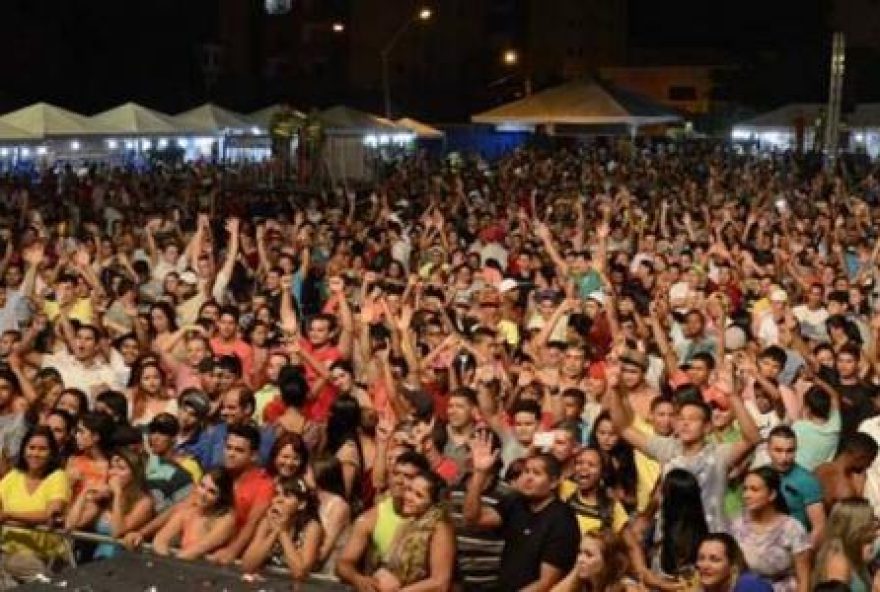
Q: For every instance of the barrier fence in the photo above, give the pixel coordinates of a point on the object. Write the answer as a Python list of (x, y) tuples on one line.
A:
[(145, 571)]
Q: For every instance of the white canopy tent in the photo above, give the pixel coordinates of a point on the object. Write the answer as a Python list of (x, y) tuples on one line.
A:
[(778, 128), (44, 120), (579, 104), (213, 119), (262, 119), (135, 120), (421, 130)]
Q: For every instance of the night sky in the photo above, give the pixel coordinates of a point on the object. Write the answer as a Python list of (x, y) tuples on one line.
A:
[(93, 54)]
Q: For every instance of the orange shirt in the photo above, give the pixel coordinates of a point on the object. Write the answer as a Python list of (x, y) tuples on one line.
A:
[(711, 393)]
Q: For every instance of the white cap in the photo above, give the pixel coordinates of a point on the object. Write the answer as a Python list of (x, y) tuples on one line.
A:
[(597, 296), (507, 285), (189, 277), (778, 295)]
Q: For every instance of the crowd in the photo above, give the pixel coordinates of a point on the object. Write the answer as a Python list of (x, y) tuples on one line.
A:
[(609, 368)]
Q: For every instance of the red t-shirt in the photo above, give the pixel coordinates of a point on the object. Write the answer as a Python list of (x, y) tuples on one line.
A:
[(318, 408), (252, 488), (447, 469), (239, 348)]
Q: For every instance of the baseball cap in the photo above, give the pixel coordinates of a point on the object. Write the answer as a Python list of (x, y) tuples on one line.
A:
[(597, 296), (188, 277), (778, 295), (197, 401), (165, 424), (507, 285)]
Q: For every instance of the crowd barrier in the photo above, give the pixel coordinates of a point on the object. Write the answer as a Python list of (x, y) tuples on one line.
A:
[(143, 570)]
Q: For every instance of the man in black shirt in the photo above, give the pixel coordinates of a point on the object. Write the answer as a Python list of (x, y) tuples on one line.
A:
[(857, 398), (540, 532)]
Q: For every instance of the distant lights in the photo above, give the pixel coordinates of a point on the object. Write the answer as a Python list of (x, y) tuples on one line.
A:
[(25, 152), (74, 145), (41, 150), (183, 142), (162, 144), (112, 144)]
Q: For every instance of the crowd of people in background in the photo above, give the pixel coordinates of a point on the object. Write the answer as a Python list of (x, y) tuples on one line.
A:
[(602, 368)]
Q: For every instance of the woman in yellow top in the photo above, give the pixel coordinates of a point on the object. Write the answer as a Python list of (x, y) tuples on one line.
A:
[(595, 509), (34, 493)]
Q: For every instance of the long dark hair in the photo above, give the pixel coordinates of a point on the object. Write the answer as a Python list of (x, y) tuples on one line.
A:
[(54, 462), (619, 463), (684, 521), (343, 423), (169, 313), (773, 482), (297, 487), (604, 501), (224, 482), (328, 475)]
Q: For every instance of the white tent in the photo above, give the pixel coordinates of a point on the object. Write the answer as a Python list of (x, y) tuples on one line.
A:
[(262, 119), (10, 132), (212, 119), (779, 128), (44, 120), (580, 103), (341, 120), (421, 130), (131, 118)]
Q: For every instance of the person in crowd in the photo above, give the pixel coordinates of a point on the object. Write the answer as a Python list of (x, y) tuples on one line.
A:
[(290, 534), (149, 394), (721, 567), (63, 426), (844, 553), (201, 524), (123, 505), (333, 510), (88, 468), (191, 441), (253, 490), (601, 565), (775, 545), (844, 477), (34, 493), (801, 490), (169, 477), (546, 555), (595, 507), (236, 410)]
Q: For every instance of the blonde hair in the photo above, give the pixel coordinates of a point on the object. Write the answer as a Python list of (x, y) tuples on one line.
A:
[(847, 531)]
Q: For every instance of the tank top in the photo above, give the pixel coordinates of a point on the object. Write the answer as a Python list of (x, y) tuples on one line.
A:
[(387, 521)]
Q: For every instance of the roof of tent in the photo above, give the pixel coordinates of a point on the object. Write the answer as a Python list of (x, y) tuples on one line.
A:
[(421, 130), (784, 117), (10, 132), (131, 118), (341, 119), (210, 118), (866, 115), (44, 120), (263, 117), (580, 103)]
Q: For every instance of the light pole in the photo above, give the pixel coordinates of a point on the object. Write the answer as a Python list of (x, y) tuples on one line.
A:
[(423, 15)]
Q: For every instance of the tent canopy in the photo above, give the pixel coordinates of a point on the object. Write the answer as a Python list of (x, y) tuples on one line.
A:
[(263, 118), (345, 120), (131, 118), (44, 120), (421, 130), (10, 132), (865, 116), (210, 118), (580, 103), (784, 117)]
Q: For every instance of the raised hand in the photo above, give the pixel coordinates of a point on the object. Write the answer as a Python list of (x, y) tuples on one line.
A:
[(483, 458), (35, 254)]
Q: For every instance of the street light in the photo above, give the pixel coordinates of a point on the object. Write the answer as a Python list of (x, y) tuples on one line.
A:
[(338, 27), (510, 57), (424, 14)]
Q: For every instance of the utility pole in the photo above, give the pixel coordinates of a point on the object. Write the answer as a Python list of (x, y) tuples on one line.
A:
[(835, 91)]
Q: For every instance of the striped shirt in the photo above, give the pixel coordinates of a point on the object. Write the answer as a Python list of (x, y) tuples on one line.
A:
[(478, 556)]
